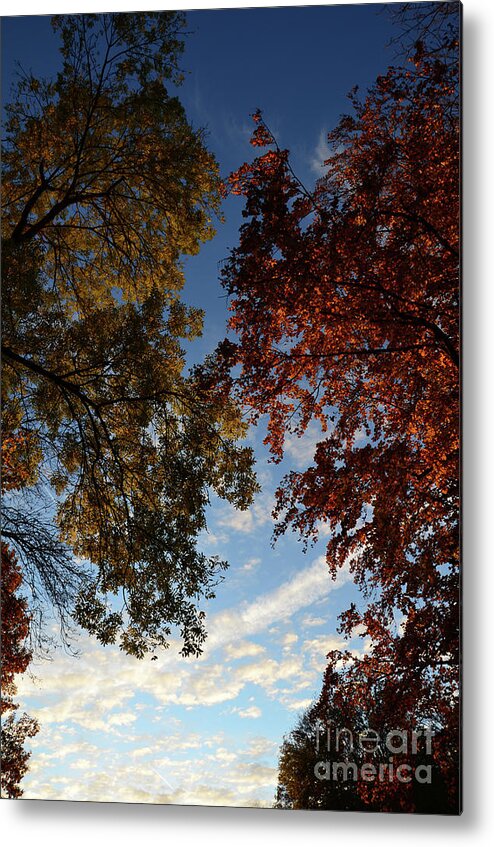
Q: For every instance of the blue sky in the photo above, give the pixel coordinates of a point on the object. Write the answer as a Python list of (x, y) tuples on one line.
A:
[(208, 730)]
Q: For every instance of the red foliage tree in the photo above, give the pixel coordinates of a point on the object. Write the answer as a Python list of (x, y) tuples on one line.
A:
[(345, 301), (15, 659), (18, 456)]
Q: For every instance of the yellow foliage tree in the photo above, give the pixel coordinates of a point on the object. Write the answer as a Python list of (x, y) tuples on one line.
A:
[(105, 187)]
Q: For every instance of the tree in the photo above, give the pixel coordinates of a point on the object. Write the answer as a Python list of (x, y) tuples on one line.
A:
[(345, 302), (15, 659), (304, 755), (105, 187), (14, 757), (349, 755)]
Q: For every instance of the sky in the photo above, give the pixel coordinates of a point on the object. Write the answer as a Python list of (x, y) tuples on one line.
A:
[(208, 730)]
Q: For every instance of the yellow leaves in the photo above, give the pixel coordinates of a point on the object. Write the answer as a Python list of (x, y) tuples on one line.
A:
[(113, 212), (112, 186), (21, 457), (230, 422), (59, 481)]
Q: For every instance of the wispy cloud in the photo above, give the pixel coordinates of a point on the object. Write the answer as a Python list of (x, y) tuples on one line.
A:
[(320, 153), (250, 520), (310, 584), (301, 448), (100, 692), (251, 564), (312, 620), (96, 695)]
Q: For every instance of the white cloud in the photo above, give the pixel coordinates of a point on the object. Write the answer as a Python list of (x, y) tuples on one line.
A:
[(289, 639), (249, 520), (259, 747), (268, 671), (248, 777), (224, 755), (122, 719), (298, 705), (320, 153), (81, 764), (308, 585), (250, 712), (238, 776), (301, 448), (312, 620), (141, 752), (316, 649), (100, 691), (324, 529), (212, 539), (250, 564), (243, 649), (104, 680)]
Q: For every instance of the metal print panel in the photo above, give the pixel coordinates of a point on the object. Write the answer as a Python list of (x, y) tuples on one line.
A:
[(230, 433)]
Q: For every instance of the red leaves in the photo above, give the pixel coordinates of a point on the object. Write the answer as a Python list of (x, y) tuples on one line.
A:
[(261, 136), (15, 659), (350, 316), (249, 176), (19, 457), (15, 624)]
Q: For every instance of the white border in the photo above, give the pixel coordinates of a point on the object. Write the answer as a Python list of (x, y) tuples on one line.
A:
[(63, 823)]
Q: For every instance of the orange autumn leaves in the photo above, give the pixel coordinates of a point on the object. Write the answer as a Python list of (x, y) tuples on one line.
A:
[(17, 471), (15, 659), (345, 305)]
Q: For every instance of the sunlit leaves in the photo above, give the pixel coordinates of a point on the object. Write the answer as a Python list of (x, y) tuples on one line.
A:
[(345, 308), (102, 167), (106, 186)]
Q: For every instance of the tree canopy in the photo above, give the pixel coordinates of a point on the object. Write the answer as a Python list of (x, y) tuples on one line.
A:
[(303, 755), (106, 186), (15, 621), (347, 755), (345, 306)]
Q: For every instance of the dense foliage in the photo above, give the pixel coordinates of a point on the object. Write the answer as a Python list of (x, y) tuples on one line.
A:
[(16, 656), (345, 305), (105, 187)]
